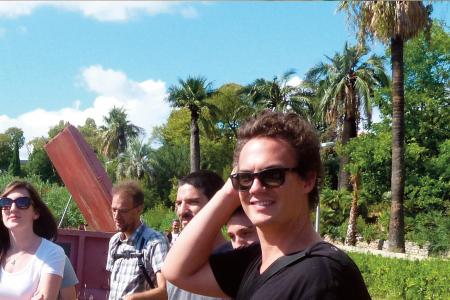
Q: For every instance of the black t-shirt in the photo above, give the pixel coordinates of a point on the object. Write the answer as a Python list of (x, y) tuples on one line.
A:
[(324, 273), (225, 247)]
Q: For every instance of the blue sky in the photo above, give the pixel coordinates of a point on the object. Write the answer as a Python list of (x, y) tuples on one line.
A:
[(73, 60)]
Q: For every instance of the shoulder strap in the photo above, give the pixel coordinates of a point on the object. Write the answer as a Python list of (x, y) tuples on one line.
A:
[(142, 265), (141, 244), (114, 248)]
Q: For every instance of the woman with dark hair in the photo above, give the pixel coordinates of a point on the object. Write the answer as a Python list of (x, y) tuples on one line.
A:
[(31, 265)]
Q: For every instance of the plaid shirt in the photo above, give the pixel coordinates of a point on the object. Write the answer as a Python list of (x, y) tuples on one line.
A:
[(126, 277)]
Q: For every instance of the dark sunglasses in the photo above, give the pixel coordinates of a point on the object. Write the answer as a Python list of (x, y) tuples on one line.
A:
[(21, 202), (269, 178)]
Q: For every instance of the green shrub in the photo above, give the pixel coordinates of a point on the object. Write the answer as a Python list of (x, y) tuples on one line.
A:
[(334, 212), (369, 232), (432, 227), (390, 278), (159, 217)]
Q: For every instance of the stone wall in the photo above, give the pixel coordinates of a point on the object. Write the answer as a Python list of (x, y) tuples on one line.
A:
[(379, 247)]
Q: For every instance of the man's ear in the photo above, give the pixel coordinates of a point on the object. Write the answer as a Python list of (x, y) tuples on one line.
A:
[(309, 181)]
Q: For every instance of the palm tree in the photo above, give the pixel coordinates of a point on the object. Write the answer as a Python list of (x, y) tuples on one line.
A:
[(392, 22), (192, 94), (117, 132), (278, 95), (134, 162), (345, 84)]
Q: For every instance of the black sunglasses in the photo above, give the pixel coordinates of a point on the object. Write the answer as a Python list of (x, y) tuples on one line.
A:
[(21, 202), (269, 178)]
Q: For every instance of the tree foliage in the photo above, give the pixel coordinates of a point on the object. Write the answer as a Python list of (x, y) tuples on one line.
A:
[(232, 108), (6, 152), (15, 136), (91, 133), (345, 86), (279, 95), (14, 166), (117, 132), (134, 162), (39, 163)]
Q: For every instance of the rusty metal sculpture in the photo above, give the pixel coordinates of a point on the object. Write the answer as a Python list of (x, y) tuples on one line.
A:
[(84, 177)]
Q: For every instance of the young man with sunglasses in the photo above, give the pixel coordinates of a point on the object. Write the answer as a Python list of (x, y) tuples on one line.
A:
[(278, 169), (136, 253)]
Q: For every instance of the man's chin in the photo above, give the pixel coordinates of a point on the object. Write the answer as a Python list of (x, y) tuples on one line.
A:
[(120, 228)]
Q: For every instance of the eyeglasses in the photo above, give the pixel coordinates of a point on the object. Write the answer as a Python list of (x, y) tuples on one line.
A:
[(269, 178), (122, 211), (21, 202)]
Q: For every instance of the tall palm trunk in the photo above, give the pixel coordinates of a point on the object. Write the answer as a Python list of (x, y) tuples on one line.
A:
[(349, 131), (195, 143), (350, 238), (122, 142), (343, 177), (396, 224)]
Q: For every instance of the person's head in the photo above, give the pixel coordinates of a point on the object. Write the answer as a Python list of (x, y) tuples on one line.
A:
[(284, 150), (127, 205), (23, 208), (240, 229), (176, 226), (194, 191)]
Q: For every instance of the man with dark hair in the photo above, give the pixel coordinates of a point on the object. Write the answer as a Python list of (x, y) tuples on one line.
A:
[(194, 191), (276, 179), (136, 253), (240, 229)]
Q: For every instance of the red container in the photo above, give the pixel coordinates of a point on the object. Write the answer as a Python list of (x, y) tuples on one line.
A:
[(88, 250)]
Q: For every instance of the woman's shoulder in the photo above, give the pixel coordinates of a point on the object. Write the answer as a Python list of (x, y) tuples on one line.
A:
[(50, 248)]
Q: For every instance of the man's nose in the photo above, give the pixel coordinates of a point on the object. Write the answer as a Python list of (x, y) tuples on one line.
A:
[(115, 215), (256, 185), (182, 208)]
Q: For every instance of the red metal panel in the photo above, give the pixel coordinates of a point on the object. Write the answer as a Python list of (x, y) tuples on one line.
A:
[(84, 177), (87, 250)]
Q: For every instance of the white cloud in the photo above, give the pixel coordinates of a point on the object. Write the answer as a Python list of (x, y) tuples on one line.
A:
[(12, 9), (101, 10), (143, 101), (294, 81)]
